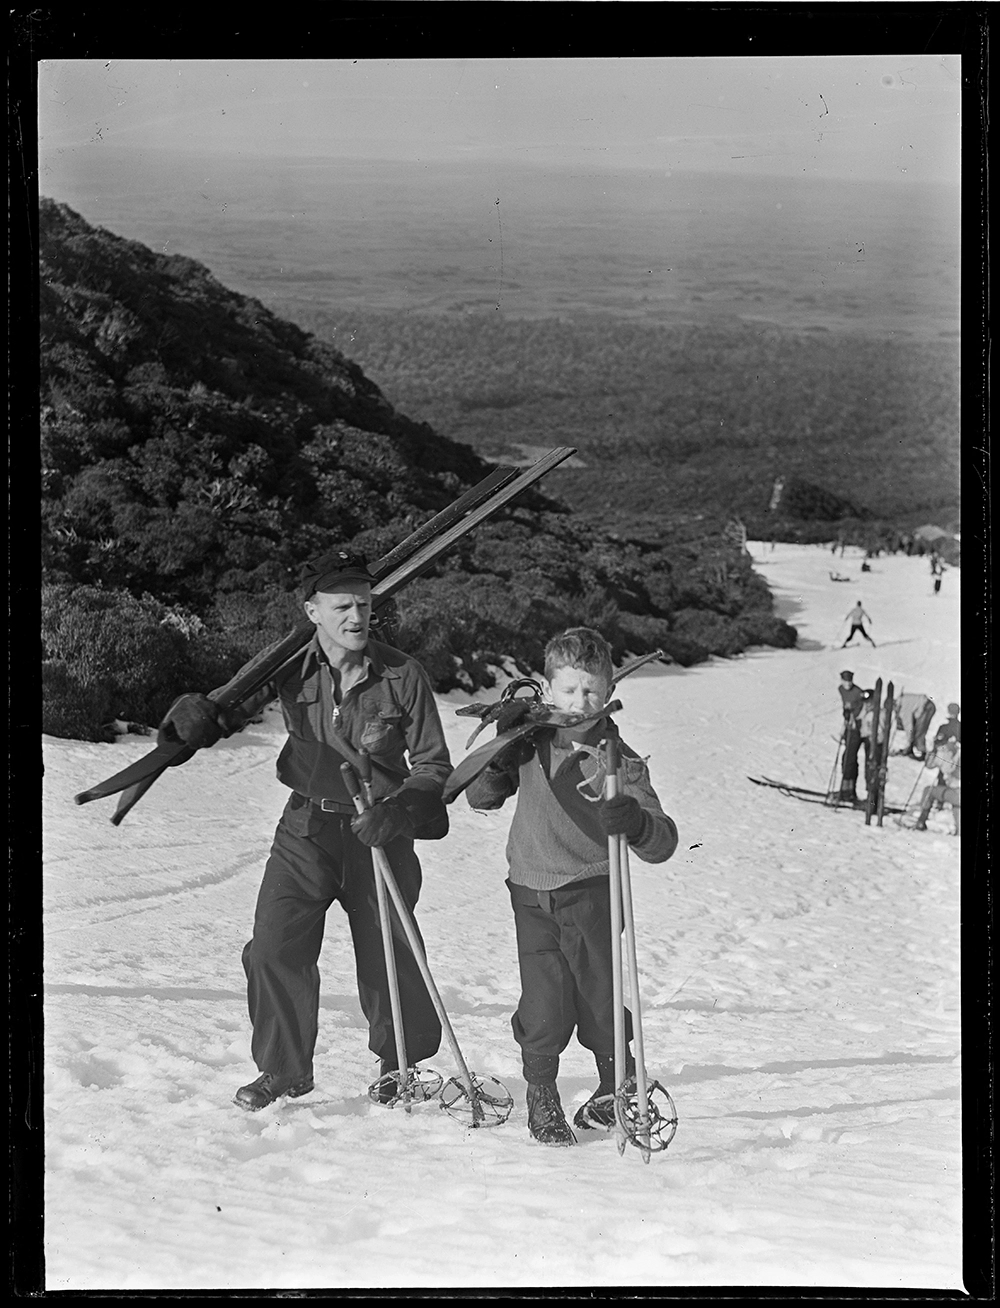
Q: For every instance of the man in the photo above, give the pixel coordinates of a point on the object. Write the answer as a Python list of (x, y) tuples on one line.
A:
[(855, 617), (950, 730), (347, 693), (852, 699)]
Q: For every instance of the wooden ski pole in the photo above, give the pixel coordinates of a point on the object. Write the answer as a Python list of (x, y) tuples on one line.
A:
[(381, 864), (618, 1000), (642, 1091), (385, 922), (833, 774)]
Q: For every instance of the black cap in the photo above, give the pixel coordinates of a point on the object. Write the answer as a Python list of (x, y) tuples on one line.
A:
[(324, 572)]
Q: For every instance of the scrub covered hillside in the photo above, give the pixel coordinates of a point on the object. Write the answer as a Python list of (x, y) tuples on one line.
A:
[(197, 449)]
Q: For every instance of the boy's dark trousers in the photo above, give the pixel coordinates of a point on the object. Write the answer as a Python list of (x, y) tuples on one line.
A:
[(564, 954), (316, 859)]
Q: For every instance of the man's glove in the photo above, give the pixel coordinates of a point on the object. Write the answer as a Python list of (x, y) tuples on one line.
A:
[(195, 721), (622, 816), (383, 822), (509, 760)]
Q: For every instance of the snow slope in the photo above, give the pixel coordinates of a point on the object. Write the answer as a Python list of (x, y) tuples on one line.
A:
[(800, 988)]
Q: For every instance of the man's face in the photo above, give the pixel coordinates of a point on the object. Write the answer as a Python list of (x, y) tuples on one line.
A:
[(575, 691), (342, 616)]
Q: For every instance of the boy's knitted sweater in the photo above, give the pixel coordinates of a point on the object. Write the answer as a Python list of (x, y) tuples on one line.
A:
[(556, 836)]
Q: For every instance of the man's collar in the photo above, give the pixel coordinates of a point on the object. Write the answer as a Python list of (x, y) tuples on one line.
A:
[(373, 660)]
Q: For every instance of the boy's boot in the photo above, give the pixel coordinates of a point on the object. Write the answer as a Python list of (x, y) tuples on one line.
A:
[(598, 1113), (546, 1119)]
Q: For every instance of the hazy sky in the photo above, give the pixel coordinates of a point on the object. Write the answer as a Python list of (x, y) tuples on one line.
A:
[(836, 116)]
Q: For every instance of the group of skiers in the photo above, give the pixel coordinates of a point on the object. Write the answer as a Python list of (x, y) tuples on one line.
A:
[(350, 695), (912, 715)]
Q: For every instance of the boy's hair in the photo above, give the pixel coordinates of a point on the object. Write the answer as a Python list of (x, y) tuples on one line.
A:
[(579, 647)]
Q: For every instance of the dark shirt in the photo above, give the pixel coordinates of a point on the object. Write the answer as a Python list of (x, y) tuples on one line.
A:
[(852, 697), (950, 730), (390, 713)]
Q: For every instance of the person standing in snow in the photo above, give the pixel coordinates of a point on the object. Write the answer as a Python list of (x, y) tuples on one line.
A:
[(852, 701), (937, 572), (347, 693), (559, 881), (914, 713), (856, 618)]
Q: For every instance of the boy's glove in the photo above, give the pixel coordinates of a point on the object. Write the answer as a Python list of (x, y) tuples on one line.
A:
[(196, 721), (622, 816), (384, 821)]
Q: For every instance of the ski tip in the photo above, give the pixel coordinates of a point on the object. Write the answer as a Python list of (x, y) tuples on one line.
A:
[(84, 797)]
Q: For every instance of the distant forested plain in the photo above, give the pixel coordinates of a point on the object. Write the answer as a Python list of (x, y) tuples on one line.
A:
[(693, 338), (696, 337)]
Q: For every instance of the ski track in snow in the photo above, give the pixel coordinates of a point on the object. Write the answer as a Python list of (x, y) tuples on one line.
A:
[(799, 976)]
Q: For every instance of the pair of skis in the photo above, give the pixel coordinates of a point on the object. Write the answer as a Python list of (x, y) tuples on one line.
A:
[(645, 1115), (393, 571), (477, 1100)]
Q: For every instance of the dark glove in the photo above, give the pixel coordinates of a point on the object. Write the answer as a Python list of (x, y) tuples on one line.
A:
[(384, 821), (195, 721), (510, 759), (622, 816)]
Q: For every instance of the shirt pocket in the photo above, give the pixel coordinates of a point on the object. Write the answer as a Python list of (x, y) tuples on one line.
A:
[(382, 732), (302, 716)]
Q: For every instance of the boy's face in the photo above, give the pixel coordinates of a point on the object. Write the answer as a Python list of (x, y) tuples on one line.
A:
[(574, 690)]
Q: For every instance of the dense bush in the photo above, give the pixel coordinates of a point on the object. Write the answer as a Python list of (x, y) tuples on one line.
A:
[(107, 655)]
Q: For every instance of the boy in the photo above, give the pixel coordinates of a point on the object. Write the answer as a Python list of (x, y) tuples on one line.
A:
[(557, 853)]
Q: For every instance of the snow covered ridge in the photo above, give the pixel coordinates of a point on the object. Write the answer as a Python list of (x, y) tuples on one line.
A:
[(800, 988)]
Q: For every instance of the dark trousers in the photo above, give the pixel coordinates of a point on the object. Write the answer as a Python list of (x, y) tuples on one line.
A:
[(564, 955), (856, 626), (314, 860)]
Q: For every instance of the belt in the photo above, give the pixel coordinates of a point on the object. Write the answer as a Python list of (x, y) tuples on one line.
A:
[(326, 805), (334, 806)]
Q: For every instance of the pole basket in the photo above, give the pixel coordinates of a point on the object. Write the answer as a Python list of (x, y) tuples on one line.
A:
[(653, 1136), (491, 1105), (422, 1084)]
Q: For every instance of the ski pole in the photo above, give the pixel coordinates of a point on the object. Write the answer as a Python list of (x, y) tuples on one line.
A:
[(833, 773), (395, 1004), (383, 869), (642, 1090), (618, 1000), (909, 798)]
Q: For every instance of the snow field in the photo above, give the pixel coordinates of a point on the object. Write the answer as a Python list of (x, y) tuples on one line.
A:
[(800, 987)]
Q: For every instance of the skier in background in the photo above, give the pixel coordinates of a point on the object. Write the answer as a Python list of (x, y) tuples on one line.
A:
[(559, 880), (937, 572), (853, 700), (856, 618), (950, 730), (947, 789), (346, 692)]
